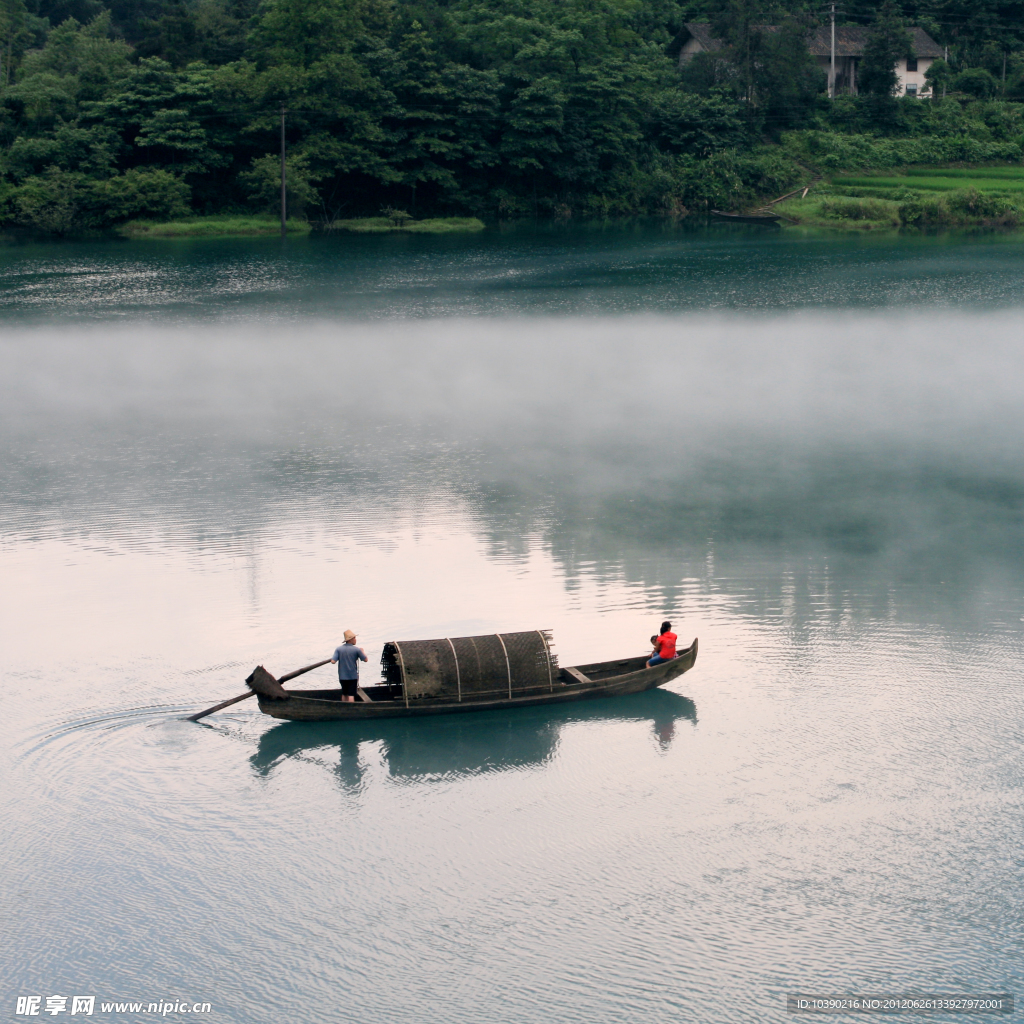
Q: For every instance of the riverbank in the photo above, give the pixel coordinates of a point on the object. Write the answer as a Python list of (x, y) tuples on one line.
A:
[(388, 225), (947, 197), (964, 209), (226, 226), (889, 200)]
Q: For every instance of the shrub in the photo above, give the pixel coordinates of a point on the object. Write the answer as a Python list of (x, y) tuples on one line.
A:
[(938, 76), (1015, 87), (263, 183), (56, 201), (970, 203), (704, 72), (61, 202), (959, 209), (842, 208), (730, 179), (680, 122), (976, 82), (158, 195), (397, 218), (830, 151)]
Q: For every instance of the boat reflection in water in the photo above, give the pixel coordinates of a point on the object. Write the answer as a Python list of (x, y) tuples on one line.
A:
[(474, 744)]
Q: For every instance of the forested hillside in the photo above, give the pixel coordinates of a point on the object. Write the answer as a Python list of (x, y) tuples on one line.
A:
[(499, 108)]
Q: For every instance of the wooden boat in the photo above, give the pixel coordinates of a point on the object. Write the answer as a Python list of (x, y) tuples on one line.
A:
[(746, 218), (408, 692)]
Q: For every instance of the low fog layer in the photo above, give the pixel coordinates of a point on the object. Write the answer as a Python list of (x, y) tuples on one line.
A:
[(657, 395), (870, 433)]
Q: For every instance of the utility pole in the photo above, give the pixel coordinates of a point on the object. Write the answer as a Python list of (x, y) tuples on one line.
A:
[(284, 178), (832, 61)]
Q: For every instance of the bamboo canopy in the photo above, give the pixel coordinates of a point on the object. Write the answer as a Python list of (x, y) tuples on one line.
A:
[(471, 667)]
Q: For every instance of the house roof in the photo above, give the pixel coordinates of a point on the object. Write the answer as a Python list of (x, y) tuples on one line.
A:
[(850, 40), (702, 33)]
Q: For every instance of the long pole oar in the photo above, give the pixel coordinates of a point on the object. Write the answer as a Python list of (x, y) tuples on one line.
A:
[(250, 693)]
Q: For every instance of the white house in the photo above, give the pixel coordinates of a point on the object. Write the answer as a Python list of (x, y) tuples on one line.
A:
[(850, 43)]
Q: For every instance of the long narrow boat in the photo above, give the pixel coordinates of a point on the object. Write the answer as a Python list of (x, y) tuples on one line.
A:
[(746, 218), (418, 682)]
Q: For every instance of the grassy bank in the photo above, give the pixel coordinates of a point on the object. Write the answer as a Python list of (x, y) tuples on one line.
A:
[(914, 197), (211, 227), (383, 225), (842, 213), (958, 209)]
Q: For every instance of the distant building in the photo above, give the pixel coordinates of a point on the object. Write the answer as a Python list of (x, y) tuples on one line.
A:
[(850, 43)]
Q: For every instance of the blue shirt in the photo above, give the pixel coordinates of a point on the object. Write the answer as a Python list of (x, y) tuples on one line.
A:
[(348, 657)]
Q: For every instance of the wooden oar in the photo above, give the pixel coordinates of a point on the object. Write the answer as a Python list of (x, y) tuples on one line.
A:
[(250, 693)]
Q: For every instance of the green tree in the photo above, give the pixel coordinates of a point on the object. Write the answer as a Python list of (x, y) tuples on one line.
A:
[(222, 29), (424, 137), (740, 24), (13, 24), (55, 86), (55, 201), (888, 43), (337, 112), (980, 31), (709, 72), (153, 109), (86, 57), (775, 72), (1015, 86), (789, 79), (696, 125), (153, 194), (92, 149), (62, 202), (301, 32), (263, 184), (938, 76), (56, 12), (976, 82), (174, 36)]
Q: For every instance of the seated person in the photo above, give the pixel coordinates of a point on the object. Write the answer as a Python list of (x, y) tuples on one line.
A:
[(664, 645)]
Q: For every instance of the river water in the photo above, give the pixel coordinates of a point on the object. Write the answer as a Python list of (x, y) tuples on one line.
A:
[(804, 450)]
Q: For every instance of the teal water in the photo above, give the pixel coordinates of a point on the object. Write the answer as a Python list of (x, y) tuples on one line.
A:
[(521, 270), (804, 450)]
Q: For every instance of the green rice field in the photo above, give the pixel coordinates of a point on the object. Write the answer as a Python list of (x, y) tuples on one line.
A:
[(940, 179)]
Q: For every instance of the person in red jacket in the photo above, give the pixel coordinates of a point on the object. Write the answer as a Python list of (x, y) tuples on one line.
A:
[(664, 645)]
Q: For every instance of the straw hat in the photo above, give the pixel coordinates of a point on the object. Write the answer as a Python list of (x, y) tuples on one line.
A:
[(349, 635)]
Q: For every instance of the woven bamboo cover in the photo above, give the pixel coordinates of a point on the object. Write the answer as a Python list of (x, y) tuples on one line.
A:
[(471, 667)]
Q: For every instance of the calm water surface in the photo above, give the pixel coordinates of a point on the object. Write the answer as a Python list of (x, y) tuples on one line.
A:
[(805, 451)]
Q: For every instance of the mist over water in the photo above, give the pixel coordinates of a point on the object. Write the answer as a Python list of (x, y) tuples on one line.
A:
[(805, 452), (856, 432)]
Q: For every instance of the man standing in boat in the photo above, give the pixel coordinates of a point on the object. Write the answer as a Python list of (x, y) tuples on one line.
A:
[(664, 645), (347, 658)]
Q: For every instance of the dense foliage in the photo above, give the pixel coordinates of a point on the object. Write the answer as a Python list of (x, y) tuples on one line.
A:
[(119, 109)]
